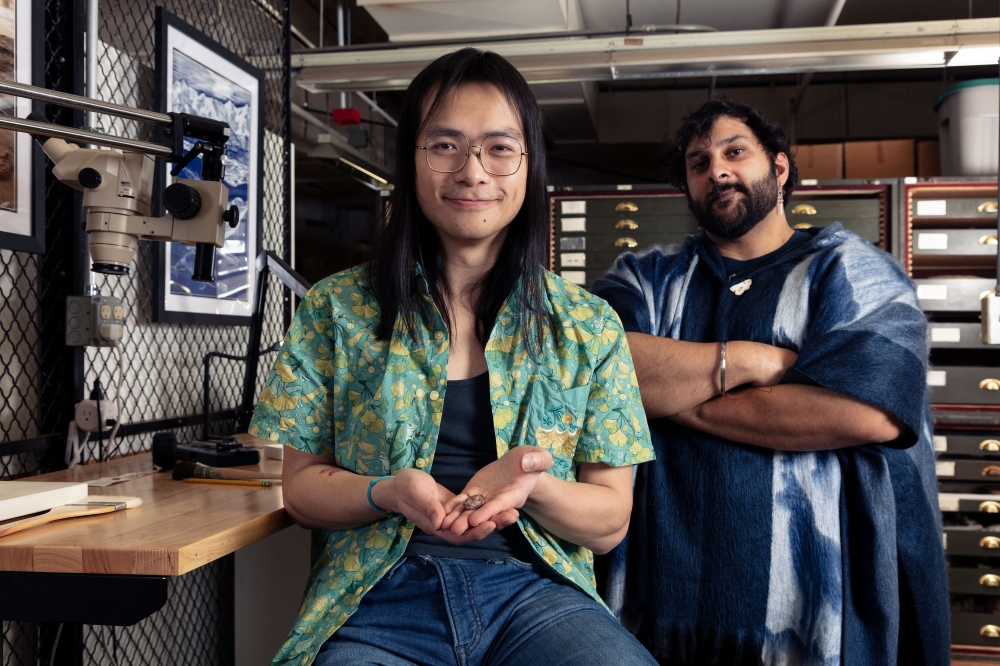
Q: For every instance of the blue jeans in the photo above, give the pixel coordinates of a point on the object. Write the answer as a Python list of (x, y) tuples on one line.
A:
[(437, 611)]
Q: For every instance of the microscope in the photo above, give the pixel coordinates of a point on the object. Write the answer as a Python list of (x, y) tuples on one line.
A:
[(117, 185)]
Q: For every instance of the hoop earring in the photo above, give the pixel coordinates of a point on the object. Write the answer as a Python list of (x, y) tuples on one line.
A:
[(781, 201)]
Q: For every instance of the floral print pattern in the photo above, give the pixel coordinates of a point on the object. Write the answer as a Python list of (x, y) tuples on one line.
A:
[(374, 408)]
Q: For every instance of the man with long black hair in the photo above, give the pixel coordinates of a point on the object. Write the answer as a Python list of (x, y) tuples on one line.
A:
[(791, 515), (460, 425)]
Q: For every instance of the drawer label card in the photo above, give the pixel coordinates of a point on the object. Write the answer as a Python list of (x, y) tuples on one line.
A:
[(940, 443), (573, 260), (576, 277), (624, 187), (946, 334), (944, 468), (932, 292), (573, 243), (574, 224), (947, 502), (937, 378), (574, 207), (927, 241), (932, 207)]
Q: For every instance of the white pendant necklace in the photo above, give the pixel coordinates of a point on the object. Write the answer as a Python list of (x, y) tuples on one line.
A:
[(741, 287)]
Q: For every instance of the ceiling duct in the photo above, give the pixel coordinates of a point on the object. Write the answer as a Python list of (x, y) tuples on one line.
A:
[(656, 56)]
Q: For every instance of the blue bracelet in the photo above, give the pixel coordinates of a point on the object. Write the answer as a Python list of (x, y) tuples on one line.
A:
[(371, 485)]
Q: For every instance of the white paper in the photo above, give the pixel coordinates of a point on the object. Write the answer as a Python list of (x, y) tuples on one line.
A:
[(940, 443), (576, 277), (574, 224), (574, 207), (946, 334), (937, 378), (932, 207), (947, 502), (943, 468), (932, 241), (944, 540), (932, 292), (573, 243), (624, 187), (106, 481), (573, 259)]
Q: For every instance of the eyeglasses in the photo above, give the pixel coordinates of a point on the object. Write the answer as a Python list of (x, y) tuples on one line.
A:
[(448, 153)]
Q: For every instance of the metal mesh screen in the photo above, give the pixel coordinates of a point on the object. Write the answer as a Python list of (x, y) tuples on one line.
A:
[(41, 378)]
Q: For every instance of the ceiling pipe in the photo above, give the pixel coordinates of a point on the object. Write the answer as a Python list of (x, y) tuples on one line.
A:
[(377, 109)]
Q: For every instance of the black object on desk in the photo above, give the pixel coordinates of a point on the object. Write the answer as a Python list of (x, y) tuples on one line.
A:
[(227, 453)]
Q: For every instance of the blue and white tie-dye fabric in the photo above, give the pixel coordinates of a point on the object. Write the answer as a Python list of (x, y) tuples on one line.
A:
[(743, 555)]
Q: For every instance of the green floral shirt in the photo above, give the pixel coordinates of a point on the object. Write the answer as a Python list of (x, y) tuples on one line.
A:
[(375, 408)]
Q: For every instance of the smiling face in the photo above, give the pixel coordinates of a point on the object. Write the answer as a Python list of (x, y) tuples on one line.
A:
[(732, 182), (471, 205)]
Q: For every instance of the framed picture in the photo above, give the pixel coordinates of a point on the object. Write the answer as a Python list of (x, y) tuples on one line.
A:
[(22, 176), (198, 76)]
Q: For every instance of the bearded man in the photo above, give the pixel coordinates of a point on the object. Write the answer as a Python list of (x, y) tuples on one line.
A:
[(791, 514)]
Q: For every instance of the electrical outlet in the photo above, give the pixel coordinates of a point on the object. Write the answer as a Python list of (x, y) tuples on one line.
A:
[(94, 321), (86, 415)]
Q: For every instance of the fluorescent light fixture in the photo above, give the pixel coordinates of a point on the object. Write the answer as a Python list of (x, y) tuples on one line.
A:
[(657, 56)]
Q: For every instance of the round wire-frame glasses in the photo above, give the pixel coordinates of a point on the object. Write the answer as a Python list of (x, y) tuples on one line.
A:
[(499, 155)]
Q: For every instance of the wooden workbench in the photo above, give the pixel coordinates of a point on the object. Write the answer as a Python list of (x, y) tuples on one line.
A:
[(179, 527)]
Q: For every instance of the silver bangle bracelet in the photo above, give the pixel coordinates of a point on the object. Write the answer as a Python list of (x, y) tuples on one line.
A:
[(722, 368)]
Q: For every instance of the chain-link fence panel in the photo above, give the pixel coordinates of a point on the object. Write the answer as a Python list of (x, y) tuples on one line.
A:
[(161, 385)]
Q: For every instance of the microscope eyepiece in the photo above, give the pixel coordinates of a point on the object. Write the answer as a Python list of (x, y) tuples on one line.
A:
[(109, 269), (90, 178)]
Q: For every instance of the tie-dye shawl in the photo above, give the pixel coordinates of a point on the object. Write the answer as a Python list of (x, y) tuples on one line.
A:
[(742, 555)]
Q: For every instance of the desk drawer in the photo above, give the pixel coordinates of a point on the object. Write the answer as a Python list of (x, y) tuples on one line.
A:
[(968, 470), (975, 629), (979, 581), (954, 242), (983, 445), (972, 542), (964, 385), (952, 294)]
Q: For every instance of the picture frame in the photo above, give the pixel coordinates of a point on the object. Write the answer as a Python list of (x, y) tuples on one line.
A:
[(197, 75), (22, 163)]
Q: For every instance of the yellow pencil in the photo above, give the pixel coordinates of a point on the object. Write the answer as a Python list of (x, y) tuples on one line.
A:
[(231, 482)]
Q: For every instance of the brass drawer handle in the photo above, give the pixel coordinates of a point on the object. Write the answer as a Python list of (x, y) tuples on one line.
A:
[(626, 207), (804, 209), (991, 470), (988, 239), (802, 225), (991, 445), (988, 292), (626, 224), (990, 384), (987, 207), (625, 241), (989, 506), (989, 580), (989, 542), (990, 631)]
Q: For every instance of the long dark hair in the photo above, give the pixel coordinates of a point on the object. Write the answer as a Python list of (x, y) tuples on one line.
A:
[(408, 237), (699, 125)]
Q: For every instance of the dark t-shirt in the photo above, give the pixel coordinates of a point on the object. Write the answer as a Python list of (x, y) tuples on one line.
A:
[(466, 444), (735, 267)]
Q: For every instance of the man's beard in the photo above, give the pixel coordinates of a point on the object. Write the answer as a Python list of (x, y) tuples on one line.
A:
[(740, 216)]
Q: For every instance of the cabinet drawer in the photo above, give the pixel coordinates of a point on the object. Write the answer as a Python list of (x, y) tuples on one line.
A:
[(870, 229), (983, 445), (599, 224), (954, 242), (955, 336), (974, 208), (974, 542), (968, 470), (623, 206), (974, 581), (952, 294), (812, 208), (975, 629), (968, 503), (964, 385)]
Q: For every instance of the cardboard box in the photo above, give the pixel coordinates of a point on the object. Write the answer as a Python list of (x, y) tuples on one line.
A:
[(820, 161), (880, 159), (928, 158)]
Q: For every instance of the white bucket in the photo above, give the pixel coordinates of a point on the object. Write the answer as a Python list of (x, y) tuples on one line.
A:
[(969, 128)]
